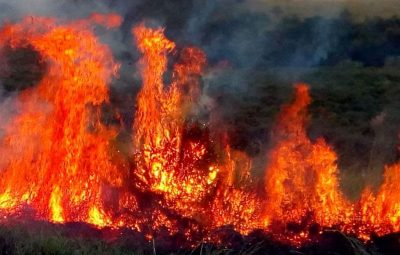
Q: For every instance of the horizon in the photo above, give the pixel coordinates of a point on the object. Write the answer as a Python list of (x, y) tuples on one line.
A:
[(361, 9)]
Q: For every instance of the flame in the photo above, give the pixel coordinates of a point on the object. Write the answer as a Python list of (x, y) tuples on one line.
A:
[(166, 160), (56, 156), (301, 176), (97, 217), (381, 212), (55, 205), (236, 202), (56, 151)]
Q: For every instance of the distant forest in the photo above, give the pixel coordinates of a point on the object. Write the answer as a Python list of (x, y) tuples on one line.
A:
[(229, 31), (309, 42)]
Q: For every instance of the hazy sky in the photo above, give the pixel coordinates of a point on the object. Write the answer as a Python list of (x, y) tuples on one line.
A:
[(361, 8)]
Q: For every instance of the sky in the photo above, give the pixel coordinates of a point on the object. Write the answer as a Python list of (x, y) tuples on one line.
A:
[(360, 8)]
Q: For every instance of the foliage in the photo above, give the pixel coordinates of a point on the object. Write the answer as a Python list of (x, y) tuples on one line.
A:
[(20, 240)]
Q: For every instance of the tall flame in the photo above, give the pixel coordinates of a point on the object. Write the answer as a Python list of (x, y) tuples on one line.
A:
[(301, 176), (56, 158), (55, 152), (167, 161)]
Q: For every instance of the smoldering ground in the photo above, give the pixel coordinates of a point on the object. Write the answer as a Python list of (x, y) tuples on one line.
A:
[(255, 52)]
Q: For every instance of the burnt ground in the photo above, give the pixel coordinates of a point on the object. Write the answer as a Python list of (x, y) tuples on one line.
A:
[(38, 237)]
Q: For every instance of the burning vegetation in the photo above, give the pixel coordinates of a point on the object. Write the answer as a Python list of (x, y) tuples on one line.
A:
[(58, 162)]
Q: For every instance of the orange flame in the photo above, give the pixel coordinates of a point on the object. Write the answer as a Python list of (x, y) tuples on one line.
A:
[(56, 157), (165, 161), (56, 150), (381, 212), (301, 177)]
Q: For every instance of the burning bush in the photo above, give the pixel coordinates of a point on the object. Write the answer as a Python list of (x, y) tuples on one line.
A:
[(182, 178)]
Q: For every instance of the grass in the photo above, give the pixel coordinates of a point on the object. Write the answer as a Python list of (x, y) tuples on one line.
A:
[(20, 240), (47, 239)]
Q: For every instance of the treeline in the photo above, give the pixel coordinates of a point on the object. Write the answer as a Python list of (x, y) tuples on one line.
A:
[(228, 30), (304, 42)]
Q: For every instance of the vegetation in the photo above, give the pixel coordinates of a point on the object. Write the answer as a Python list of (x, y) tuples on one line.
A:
[(352, 68), (21, 239), (30, 238), (293, 41)]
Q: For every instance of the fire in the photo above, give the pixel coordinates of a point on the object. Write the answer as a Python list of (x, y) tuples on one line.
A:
[(97, 217), (6, 201), (236, 202), (55, 152), (167, 159), (381, 212), (301, 176), (55, 205), (57, 158)]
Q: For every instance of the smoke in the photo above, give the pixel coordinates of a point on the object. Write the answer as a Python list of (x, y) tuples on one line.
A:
[(330, 8), (228, 31)]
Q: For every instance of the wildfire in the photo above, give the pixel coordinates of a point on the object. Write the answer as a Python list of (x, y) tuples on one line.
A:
[(56, 156), (302, 176), (55, 152), (382, 211), (168, 160)]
